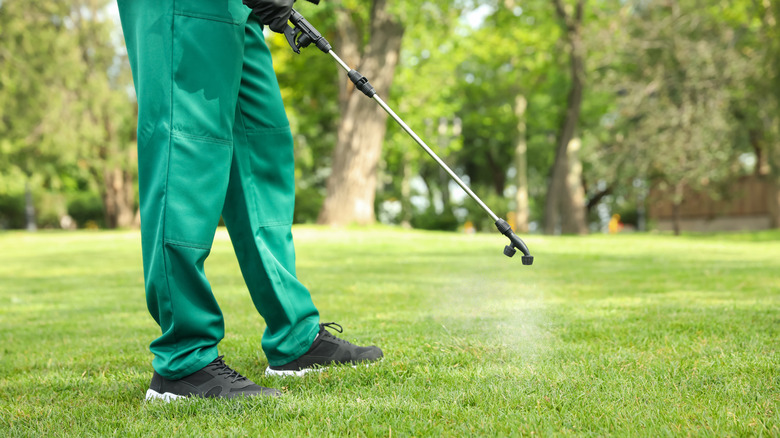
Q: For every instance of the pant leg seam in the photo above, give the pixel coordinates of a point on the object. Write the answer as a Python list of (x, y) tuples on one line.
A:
[(250, 193), (275, 274), (167, 177), (274, 279), (246, 133), (220, 141), (273, 130), (274, 224), (186, 244), (207, 17)]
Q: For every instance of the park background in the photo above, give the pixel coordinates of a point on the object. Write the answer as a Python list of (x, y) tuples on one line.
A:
[(560, 114)]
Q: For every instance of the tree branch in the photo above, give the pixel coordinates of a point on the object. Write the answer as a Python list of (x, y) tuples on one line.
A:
[(578, 12), (561, 11), (571, 23)]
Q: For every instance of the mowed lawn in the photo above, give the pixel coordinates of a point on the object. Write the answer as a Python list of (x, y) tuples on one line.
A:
[(628, 335)]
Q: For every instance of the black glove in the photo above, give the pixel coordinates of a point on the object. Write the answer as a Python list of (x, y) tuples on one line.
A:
[(274, 13)]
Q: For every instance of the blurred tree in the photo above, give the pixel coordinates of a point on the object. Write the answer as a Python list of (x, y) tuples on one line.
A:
[(106, 128), (421, 94), (372, 49), (565, 204), (675, 74), (469, 72), (510, 77), (369, 40), (67, 119), (28, 36), (766, 92), (501, 81)]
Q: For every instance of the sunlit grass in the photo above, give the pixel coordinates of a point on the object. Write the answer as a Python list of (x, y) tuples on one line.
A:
[(642, 335)]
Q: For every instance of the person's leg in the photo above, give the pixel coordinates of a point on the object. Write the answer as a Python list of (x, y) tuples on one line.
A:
[(258, 210), (186, 61)]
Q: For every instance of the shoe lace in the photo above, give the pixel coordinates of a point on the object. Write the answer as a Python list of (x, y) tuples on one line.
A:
[(332, 325), (222, 368), (338, 328)]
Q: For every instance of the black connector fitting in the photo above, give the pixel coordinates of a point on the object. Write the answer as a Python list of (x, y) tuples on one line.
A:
[(361, 83)]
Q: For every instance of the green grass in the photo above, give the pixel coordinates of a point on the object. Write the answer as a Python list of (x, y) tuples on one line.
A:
[(629, 335)]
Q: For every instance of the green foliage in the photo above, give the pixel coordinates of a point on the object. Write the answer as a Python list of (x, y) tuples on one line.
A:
[(64, 103), (429, 219), (467, 72), (308, 202), (495, 72), (501, 205), (680, 87), (12, 211), (675, 91), (86, 207), (311, 81)]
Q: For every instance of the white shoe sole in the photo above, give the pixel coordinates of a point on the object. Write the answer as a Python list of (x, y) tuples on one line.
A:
[(291, 373), (167, 397), (301, 373)]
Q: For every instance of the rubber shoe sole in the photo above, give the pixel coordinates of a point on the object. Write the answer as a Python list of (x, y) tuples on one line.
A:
[(293, 373), (300, 373), (215, 380), (167, 397), (327, 350)]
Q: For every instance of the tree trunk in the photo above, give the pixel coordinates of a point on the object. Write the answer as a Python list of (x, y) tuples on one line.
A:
[(676, 218), (521, 167), (762, 158), (563, 194), (351, 187), (117, 188), (29, 208), (496, 172), (575, 205), (677, 200), (137, 219), (774, 203), (406, 192), (552, 204), (768, 168), (444, 178), (118, 198)]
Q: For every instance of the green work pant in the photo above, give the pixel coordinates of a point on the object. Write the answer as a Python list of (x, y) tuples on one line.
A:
[(213, 137)]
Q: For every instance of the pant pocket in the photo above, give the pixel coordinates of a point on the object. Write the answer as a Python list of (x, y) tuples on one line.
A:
[(228, 11), (198, 176), (207, 65)]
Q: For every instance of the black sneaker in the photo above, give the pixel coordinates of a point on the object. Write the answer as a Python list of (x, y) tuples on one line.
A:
[(214, 380), (327, 350)]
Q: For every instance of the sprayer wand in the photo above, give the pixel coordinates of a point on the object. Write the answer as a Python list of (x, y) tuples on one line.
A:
[(302, 34)]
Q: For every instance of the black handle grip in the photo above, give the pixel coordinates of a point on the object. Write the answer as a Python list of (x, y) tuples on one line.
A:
[(302, 34)]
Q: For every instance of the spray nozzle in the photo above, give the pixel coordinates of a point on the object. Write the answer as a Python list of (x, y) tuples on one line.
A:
[(515, 243)]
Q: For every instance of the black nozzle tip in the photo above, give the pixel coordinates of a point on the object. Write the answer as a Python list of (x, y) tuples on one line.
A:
[(528, 260), (509, 251)]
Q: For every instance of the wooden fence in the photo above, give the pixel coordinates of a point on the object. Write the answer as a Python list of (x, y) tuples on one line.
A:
[(747, 196), (745, 205)]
